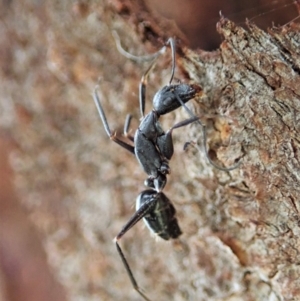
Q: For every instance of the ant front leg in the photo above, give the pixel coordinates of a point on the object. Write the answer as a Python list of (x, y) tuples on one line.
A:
[(102, 115), (165, 141)]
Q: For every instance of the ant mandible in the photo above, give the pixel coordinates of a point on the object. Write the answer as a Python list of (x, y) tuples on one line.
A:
[(153, 148)]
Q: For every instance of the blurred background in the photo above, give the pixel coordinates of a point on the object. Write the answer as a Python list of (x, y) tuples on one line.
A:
[(197, 19), (61, 181)]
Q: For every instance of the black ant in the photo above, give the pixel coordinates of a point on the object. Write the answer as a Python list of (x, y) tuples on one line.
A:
[(153, 149)]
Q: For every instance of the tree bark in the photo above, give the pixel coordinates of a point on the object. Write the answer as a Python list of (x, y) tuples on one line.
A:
[(241, 227)]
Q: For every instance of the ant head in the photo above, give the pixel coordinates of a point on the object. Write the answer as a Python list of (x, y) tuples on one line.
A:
[(166, 99)]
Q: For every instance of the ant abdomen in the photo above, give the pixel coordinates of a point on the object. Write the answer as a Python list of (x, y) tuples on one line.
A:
[(161, 219)]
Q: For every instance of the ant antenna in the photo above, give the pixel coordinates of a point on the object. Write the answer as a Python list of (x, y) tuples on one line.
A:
[(144, 58), (144, 79), (171, 41), (142, 87)]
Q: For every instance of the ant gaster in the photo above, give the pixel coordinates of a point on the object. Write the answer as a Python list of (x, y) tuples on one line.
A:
[(153, 149)]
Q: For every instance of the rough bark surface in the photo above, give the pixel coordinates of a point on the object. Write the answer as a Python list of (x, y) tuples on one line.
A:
[(253, 81), (241, 228)]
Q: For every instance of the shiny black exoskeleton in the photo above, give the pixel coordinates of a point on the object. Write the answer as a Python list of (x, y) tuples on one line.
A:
[(161, 218), (153, 148)]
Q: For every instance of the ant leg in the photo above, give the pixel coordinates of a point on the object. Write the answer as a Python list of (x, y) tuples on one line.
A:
[(129, 272), (113, 137), (205, 140), (138, 215), (141, 212), (184, 123), (165, 141), (126, 127)]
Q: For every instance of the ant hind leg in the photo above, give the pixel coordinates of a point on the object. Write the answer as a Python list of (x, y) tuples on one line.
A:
[(141, 212), (129, 272)]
